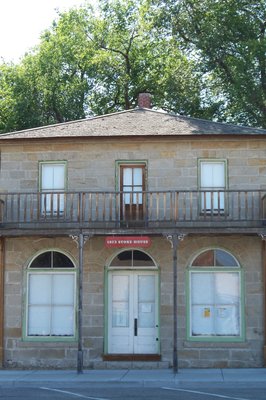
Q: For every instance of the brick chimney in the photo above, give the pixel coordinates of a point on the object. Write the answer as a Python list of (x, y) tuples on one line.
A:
[(144, 100)]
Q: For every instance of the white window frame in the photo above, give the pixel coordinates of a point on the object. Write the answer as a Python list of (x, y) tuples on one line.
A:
[(212, 198), (52, 204), (52, 273)]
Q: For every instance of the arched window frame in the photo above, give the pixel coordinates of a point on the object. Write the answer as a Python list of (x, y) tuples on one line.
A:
[(52, 273), (131, 267), (214, 271)]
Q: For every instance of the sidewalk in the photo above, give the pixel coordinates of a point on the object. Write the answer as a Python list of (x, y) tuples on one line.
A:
[(133, 377)]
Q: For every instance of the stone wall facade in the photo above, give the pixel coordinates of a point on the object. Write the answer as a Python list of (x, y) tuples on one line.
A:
[(171, 164), (25, 353)]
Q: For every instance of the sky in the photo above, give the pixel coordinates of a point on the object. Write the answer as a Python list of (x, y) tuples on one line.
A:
[(22, 22)]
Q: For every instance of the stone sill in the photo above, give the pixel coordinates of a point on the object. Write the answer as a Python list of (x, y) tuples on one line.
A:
[(131, 357), (240, 345)]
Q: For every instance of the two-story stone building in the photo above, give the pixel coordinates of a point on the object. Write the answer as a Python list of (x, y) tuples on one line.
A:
[(134, 239)]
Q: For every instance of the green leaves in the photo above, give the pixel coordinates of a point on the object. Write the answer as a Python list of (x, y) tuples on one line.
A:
[(201, 58), (229, 39)]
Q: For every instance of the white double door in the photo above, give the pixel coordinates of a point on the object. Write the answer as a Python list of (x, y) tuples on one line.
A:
[(133, 312)]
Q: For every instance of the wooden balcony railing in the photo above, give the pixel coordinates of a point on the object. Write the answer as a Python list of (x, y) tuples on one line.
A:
[(119, 209)]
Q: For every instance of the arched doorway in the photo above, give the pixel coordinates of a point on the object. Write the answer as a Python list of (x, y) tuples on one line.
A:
[(132, 304)]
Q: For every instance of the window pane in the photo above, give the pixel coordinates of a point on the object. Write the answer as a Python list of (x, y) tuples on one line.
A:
[(137, 197), (227, 320), (39, 321), (120, 300), (227, 288), (123, 259), (222, 258), (63, 289), (146, 288), (128, 197), (218, 174), (212, 175), (42, 261), (61, 260), (39, 289), (47, 177), (137, 176), (202, 320), (202, 288), (59, 176), (127, 177), (205, 259), (62, 321), (146, 315), (120, 288), (141, 259), (146, 301)]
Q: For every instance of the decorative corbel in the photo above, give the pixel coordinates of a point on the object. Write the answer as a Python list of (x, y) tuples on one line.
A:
[(180, 237), (76, 238), (263, 236)]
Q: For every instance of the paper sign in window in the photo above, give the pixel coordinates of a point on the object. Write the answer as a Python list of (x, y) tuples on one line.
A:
[(207, 312), (222, 312), (146, 308)]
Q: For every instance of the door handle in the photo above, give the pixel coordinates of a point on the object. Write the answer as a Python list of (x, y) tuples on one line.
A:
[(135, 327)]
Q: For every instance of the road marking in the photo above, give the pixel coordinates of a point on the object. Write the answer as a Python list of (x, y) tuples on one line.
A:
[(206, 394), (73, 394)]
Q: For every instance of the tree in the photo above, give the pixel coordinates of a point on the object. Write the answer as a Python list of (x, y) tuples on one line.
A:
[(51, 82), (132, 57), (65, 65), (227, 38), (91, 63)]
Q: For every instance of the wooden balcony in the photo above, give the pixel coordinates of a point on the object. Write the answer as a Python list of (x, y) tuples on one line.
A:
[(153, 212)]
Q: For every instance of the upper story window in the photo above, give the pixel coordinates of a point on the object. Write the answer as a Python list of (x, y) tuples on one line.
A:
[(215, 297), (212, 182), (132, 184), (51, 296), (52, 183)]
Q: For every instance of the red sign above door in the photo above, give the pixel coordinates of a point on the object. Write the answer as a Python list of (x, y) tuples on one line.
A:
[(127, 241)]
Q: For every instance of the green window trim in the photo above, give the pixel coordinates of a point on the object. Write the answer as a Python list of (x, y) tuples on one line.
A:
[(53, 271), (213, 160), (51, 162), (119, 163), (213, 199), (222, 269)]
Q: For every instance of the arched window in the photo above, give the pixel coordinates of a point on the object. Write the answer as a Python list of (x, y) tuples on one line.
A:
[(215, 297), (51, 296), (132, 259)]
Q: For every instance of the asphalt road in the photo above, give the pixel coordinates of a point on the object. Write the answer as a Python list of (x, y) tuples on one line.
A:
[(133, 393)]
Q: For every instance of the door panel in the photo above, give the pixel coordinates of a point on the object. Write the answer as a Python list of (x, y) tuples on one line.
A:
[(133, 313)]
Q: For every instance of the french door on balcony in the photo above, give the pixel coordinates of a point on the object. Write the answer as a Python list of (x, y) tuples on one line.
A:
[(132, 186), (133, 312)]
